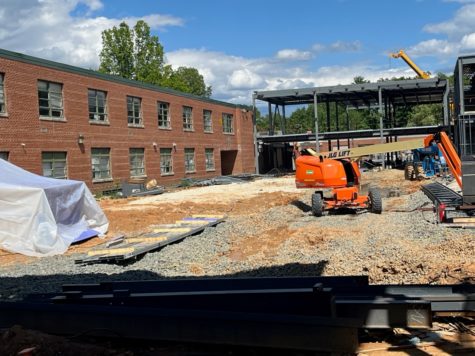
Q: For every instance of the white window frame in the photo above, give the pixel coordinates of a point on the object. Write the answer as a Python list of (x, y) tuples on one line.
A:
[(103, 154), (137, 161), (209, 159), (3, 101), (187, 118), (95, 116), (53, 99), (190, 165), (164, 121), (166, 161), (58, 164), (207, 120), (134, 111), (228, 123)]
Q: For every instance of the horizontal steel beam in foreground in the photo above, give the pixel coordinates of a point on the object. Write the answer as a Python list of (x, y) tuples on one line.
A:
[(312, 313)]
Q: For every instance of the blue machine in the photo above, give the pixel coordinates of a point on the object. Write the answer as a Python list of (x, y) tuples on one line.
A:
[(431, 160)]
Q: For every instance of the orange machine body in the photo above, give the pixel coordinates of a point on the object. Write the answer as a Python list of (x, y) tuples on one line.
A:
[(337, 179)]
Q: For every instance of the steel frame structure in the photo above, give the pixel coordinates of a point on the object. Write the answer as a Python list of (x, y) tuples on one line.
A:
[(385, 96)]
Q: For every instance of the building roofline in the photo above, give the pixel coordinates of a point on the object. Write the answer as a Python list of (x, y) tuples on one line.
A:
[(20, 57)]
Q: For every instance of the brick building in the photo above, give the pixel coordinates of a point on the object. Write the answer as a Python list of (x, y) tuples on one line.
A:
[(63, 121)]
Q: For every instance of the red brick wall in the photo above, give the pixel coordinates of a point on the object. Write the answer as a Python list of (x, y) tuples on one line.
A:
[(22, 125)]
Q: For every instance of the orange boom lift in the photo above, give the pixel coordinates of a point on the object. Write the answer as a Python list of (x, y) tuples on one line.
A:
[(336, 178)]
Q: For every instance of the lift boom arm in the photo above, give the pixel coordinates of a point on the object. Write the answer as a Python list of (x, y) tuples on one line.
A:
[(410, 63), (369, 150), (448, 151)]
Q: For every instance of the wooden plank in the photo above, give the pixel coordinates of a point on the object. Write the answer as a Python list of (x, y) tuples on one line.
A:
[(463, 220), (146, 239), (113, 251), (172, 229), (208, 216), (192, 222)]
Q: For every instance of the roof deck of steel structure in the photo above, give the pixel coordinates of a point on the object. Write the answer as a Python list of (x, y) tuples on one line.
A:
[(399, 92)]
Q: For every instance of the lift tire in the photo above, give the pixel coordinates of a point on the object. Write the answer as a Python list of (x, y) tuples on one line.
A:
[(420, 174), (408, 172), (375, 201), (317, 205)]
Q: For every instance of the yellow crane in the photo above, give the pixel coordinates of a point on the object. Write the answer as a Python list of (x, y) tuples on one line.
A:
[(410, 63)]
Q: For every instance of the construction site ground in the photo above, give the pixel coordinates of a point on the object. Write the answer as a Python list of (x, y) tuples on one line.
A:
[(269, 231)]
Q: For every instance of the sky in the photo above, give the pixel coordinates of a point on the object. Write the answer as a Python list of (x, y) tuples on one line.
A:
[(240, 46)]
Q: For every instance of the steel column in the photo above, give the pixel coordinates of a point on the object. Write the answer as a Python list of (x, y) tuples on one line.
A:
[(315, 110), (380, 100)]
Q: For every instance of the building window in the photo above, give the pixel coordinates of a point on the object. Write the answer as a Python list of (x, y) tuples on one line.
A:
[(4, 155), (134, 117), (228, 123), (100, 161), (137, 162), (3, 107), (189, 160), (54, 164), (166, 161), (207, 122), (97, 105), (209, 157), (50, 99), (187, 118), (164, 115)]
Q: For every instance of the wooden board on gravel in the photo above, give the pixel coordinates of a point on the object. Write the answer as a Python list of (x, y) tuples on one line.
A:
[(126, 248)]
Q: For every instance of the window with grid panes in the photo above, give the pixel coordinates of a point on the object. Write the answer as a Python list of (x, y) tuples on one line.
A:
[(134, 116), (164, 115), (207, 122), (166, 161), (209, 159), (3, 107), (137, 162), (54, 164), (50, 99), (97, 105), (100, 162), (189, 160), (187, 118), (228, 123)]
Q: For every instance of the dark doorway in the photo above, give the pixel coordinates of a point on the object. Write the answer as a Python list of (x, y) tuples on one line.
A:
[(228, 158)]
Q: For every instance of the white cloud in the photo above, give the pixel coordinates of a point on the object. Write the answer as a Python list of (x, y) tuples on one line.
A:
[(434, 47), (461, 23), (48, 29), (455, 35), (235, 78), (293, 54), (338, 46)]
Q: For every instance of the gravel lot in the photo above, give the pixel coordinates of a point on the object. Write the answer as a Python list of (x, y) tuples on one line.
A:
[(269, 231)]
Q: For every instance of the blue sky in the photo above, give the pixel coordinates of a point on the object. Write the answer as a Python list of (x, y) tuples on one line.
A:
[(241, 46)]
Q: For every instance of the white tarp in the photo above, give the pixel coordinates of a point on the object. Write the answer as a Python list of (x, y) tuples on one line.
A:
[(42, 216)]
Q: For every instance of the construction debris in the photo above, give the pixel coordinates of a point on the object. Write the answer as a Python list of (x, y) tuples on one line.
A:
[(127, 247)]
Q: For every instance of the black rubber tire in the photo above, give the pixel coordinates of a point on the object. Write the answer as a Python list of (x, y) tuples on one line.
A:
[(317, 205), (408, 171), (375, 201)]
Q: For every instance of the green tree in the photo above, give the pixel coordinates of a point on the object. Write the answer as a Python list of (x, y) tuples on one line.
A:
[(117, 54), (148, 54), (189, 80), (360, 80), (425, 115), (137, 54)]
